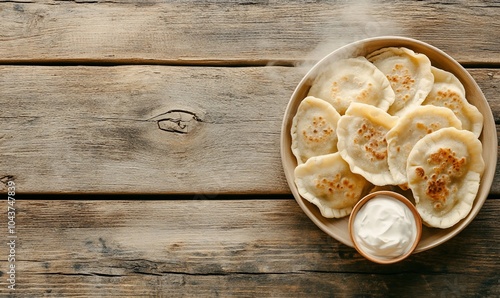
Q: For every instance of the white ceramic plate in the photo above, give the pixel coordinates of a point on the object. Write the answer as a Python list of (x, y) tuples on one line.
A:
[(338, 228)]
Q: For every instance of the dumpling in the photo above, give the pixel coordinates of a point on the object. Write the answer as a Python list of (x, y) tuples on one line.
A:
[(443, 77), (444, 171), (353, 80), (410, 128), (449, 92), (314, 129), (409, 74), (362, 141), (327, 182)]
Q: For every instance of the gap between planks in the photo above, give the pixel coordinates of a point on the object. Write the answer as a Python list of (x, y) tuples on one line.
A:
[(190, 62), (164, 197), (146, 62), (152, 197)]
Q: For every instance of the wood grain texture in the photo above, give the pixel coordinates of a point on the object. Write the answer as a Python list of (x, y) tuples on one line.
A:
[(87, 129), (228, 248), (235, 32), (172, 97), (152, 129)]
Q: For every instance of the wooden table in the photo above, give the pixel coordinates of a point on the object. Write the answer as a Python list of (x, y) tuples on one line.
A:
[(143, 141)]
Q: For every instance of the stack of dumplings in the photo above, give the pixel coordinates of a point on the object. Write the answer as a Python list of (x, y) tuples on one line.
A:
[(388, 120)]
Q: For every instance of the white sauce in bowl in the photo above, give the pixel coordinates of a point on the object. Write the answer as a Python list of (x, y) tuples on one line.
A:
[(385, 227)]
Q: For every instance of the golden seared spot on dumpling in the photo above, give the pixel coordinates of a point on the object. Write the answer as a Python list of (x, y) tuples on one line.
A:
[(337, 185), (420, 172), (444, 167), (373, 140), (438, 191), (314, 129), (427, 128), (402, 81), (344, 82), (450, 99), (444, 171), (364, 94), (446, 162), (363, 89), (327, 182), (318, 131)]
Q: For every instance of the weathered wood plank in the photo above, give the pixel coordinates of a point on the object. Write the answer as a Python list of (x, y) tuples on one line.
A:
[(109, 129), (303, 284), (119, 129), (228, 247), (236, 31)]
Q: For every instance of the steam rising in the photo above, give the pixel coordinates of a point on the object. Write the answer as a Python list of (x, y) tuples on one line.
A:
[(356, 20)]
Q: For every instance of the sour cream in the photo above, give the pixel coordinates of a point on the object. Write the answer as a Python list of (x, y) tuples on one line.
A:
[(385, 227)]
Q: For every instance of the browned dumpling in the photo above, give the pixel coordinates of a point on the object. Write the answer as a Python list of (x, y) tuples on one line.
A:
[(448, 92), (314, 129), (409, 74), (362, 142), (327, 182), (410, 128), (353, 80), (444, 171)]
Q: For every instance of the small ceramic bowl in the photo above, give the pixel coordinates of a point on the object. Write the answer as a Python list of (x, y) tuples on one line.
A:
[(417, 221)]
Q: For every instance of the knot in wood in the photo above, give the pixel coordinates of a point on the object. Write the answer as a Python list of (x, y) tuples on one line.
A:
[(178, 121)]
